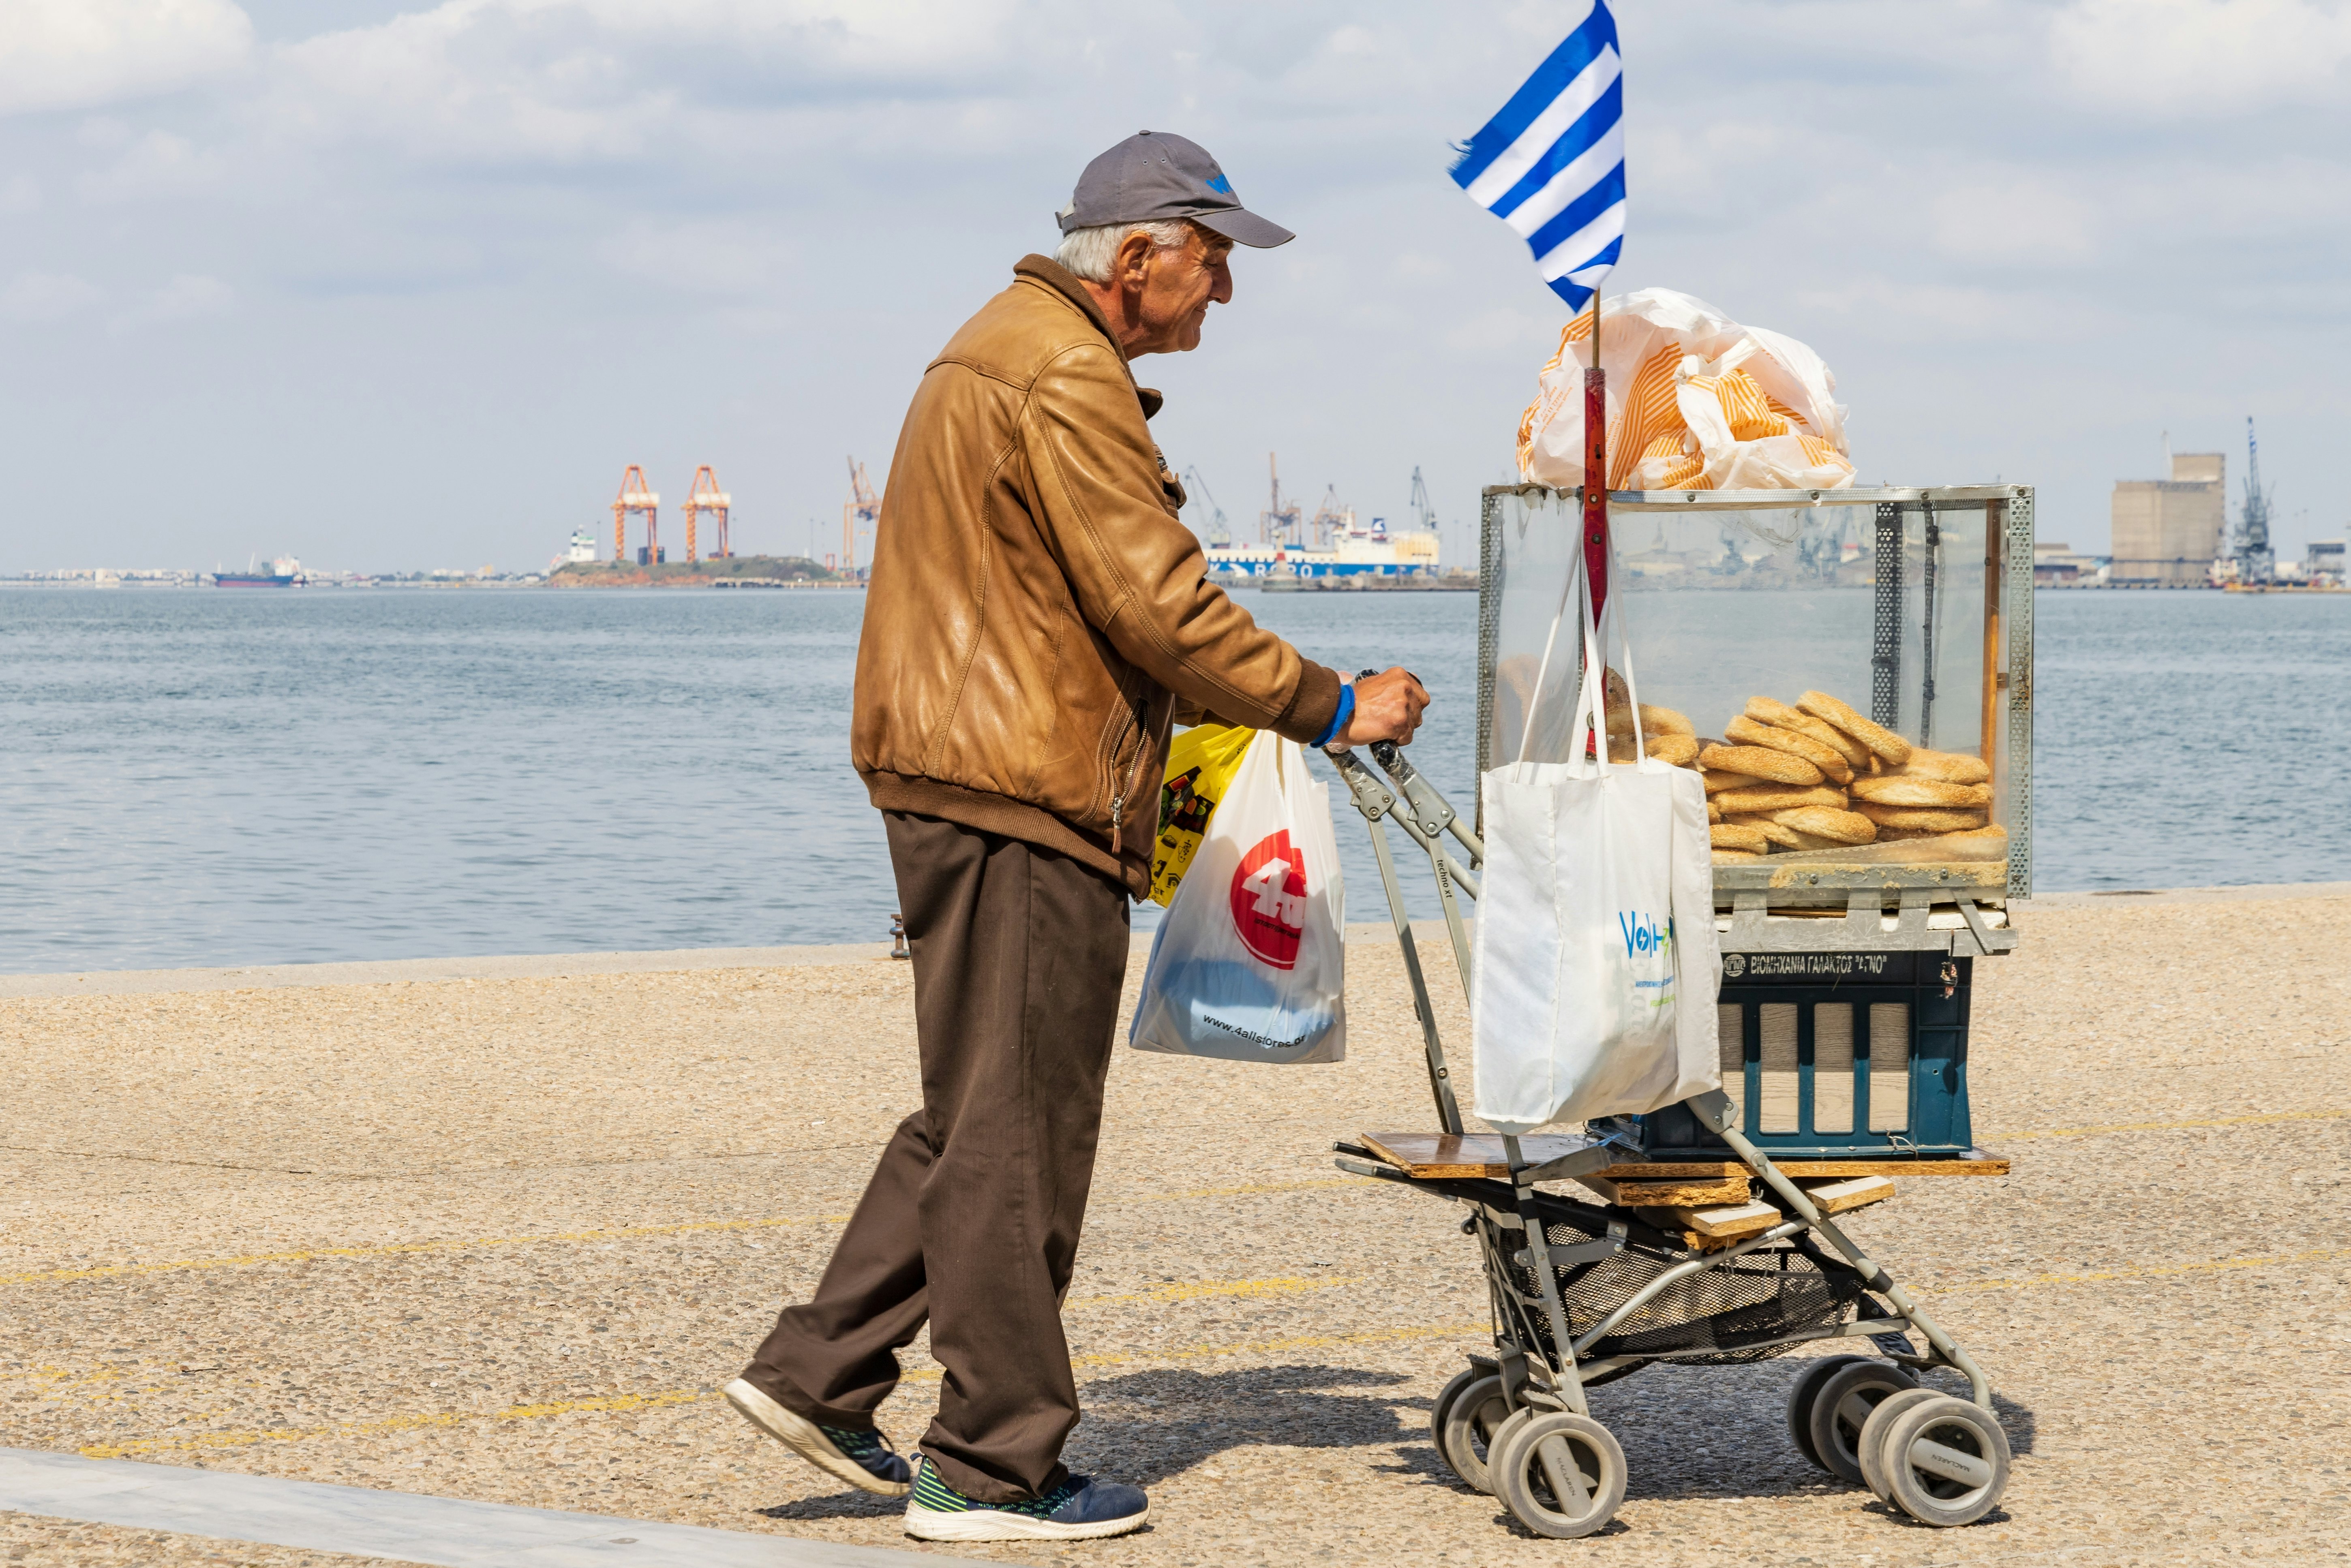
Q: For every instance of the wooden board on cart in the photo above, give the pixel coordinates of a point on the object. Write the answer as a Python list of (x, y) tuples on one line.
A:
[(1710, 1228), (1459, 1156)]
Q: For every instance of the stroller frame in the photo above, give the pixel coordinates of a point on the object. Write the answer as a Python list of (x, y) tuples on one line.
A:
[(1518, 1422)]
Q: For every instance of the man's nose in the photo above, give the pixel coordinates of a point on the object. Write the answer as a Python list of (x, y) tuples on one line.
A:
[(1223, 291)]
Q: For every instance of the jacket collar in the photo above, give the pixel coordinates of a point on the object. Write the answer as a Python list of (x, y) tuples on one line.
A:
[(1053, 275)]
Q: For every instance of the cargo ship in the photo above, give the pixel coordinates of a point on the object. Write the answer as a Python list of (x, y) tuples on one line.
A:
[(1371, 551), (284, 571), (1331, 543)]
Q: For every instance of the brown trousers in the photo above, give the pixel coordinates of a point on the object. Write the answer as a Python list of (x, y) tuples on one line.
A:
[(971, 1219)]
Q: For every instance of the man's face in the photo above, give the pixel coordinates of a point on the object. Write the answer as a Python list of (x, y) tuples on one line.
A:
[(1168, 292)]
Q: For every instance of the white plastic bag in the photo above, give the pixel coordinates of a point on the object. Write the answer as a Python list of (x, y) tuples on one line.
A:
[(1696, 401), (1250, 963), (1596, 965)]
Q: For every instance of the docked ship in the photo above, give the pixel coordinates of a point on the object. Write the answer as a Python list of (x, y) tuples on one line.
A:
[(284, 571), (1331, 543)]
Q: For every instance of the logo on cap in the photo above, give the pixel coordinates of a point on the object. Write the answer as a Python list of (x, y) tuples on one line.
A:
[(1219, 184)]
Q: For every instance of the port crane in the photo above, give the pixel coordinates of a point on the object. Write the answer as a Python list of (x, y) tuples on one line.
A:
[(2255, 560), (1333, 519), (636, 496), (1424, 515), (863, 506), (1219, 535), (1277, 524), (706, 496)]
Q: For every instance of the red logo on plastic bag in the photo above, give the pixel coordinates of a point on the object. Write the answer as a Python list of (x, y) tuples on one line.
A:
[(1269, 901)]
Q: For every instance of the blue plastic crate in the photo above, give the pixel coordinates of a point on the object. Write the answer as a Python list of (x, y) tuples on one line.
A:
[(1860, 1055)]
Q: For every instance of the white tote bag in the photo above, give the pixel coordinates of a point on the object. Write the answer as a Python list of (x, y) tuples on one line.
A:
[(1596, 965), (1250, 963)]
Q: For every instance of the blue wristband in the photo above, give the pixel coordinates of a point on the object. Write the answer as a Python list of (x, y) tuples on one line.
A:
[(1338, 719)]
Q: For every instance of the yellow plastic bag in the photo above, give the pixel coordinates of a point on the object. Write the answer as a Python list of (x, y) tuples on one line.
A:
[(1200, 764)]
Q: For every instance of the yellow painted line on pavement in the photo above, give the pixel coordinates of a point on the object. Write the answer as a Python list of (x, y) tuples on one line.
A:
[(627, 1402), (621, 1233), (1295, 1285), (620, 1402), (2316, 1255), (1254, 1347), (246, 1438), (1250, 1188), (398, 1249), (2172, 1127)]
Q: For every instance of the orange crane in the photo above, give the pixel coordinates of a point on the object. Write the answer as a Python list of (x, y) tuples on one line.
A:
[(863, 506), (706, 496), (636, 496)]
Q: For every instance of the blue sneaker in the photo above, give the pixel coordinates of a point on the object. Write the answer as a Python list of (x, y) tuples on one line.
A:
[(860, 1456), (1079, 1509)]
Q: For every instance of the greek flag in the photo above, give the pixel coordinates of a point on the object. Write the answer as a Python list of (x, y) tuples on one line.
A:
[(1551, 164)]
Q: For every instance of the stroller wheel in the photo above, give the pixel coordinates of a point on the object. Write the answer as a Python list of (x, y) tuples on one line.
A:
[(1442, 1411), (1562, 1474), (1803, 1391), (1871, 1449), (1471, 1421), (1842, 1408), (1945, 1461)]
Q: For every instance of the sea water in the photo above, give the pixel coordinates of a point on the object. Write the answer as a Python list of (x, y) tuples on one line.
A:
[(227, 777)]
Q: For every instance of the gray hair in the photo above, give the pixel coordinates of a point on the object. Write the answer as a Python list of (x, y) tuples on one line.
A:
[(1090, 253)]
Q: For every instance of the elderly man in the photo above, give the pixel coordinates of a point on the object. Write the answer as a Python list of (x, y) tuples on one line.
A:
[(1037, 620)]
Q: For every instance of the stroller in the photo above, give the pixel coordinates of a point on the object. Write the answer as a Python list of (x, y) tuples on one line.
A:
[(1586, 1292)]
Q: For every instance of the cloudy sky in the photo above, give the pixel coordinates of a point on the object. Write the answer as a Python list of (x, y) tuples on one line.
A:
[(397, 286)]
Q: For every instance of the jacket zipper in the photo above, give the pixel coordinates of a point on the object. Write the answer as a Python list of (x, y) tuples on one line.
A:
[(1142, 753)]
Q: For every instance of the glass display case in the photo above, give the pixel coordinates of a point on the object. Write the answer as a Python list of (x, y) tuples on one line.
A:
[(1891, 628)]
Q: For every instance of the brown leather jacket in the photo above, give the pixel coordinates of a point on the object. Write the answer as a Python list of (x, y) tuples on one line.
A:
[(1037, 615)]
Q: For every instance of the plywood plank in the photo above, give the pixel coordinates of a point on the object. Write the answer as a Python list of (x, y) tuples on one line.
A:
[(1464, 1155), (1729, 1221), (1852, 1192), (1656, 1193), (1472, 1155)]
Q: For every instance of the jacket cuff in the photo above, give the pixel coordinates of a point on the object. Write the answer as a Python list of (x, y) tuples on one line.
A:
[(1312, 705)]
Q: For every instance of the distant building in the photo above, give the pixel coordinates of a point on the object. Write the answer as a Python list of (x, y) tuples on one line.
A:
[(2056, 565), (583, 546), (2167, 532), (2323, 559)]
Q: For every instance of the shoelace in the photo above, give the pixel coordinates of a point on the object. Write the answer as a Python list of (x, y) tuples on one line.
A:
[(858, 1444)]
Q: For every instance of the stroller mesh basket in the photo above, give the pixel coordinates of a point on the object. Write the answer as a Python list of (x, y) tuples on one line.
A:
[(1717, 1316)]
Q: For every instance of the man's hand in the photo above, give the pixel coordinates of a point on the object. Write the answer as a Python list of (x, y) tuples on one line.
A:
[(1387, 708)]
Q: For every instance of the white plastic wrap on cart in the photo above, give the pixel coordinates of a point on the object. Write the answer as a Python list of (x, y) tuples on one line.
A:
[(1596, 964), (1250, 963), (1696, 401)]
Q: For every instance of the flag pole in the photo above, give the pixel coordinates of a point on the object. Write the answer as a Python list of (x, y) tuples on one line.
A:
[(1595, 469)]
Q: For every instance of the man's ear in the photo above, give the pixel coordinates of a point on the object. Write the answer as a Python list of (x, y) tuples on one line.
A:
[(1134, 251)]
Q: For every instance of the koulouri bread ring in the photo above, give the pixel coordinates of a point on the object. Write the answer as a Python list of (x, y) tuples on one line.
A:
[(1718, 780), (1669, 746), (1764, 710), (1761, 799), (1729, 857), (1879, 739), (1762, 762), (1827, 758), (1828, 822), (1727, 836), (1786, 838), (1923, 819), (1951, 766), (1897, 789), (1654, 721)]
